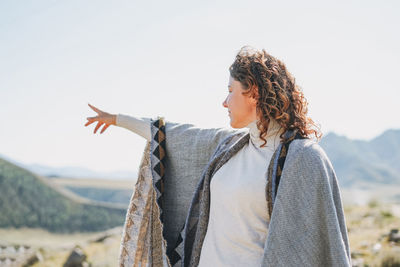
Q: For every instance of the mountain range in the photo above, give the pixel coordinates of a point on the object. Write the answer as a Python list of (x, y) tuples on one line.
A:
[(71, 171), (358, 162), (355, 161)]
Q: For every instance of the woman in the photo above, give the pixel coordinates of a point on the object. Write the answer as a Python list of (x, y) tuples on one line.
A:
[(209, 197)]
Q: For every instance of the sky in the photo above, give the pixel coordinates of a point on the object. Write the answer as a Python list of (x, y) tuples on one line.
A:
[(171, 59)]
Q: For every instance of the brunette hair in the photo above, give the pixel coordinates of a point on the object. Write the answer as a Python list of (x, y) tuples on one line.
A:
[(266, 79)]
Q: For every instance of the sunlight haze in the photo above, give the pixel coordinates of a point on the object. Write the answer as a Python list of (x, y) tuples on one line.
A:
[(171, 59)]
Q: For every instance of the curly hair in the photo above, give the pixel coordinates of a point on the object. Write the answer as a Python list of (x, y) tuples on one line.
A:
[(267, 80)]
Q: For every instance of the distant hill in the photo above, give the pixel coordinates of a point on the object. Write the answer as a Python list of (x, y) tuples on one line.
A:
[(27, 200), (78, 172), (103, 190), (357, 162), (71, 171)]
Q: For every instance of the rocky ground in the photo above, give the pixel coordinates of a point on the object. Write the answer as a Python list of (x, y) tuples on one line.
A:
[(374, 234), (51, 250)]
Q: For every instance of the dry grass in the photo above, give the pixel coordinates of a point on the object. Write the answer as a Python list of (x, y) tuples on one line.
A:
[(42, 238), (95, 183), (55, 248), (368, 227)]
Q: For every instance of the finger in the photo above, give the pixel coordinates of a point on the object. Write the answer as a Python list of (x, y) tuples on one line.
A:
[(95, 109), (104, 128), (93, 118), (98, 126), (89, 122)]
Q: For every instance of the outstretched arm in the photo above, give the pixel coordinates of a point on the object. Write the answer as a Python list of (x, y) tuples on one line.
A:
[(198, 142), (140, 126)]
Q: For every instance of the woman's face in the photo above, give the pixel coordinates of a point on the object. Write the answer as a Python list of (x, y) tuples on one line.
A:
[(241, 108)]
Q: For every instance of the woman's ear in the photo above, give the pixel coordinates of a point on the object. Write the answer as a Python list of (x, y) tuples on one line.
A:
[(255, 94)]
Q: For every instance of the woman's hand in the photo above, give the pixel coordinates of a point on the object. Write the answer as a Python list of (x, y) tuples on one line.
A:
[(102, 118)]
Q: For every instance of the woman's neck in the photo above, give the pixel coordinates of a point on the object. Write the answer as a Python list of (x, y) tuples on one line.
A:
[(272, 137)]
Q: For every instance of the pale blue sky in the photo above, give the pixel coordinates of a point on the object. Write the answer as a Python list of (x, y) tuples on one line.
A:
[(171, 58)]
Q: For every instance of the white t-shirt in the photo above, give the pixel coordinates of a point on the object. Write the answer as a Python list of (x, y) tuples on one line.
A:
[(237, 228)]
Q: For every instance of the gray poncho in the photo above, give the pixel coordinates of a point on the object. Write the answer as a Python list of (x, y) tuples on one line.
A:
[(167, 218)]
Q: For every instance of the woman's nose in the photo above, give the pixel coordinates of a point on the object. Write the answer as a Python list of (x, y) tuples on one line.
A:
[(224, 104)]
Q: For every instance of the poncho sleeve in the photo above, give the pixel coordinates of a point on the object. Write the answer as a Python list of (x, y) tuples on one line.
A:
[(307, 225), (171, 167)]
